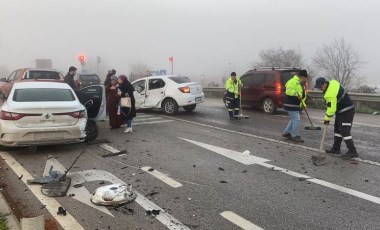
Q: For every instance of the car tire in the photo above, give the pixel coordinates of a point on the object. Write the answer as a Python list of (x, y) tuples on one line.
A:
[(190, 108), (170, 106), (92, 131), (268, 106)]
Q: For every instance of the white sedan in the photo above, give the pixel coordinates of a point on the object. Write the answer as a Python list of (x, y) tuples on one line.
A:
[(167, 93), (41, 113)]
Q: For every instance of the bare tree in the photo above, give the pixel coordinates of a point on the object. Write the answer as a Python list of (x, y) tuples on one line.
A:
[(138, 70), (312, 73), (339, 61), (278, 57)]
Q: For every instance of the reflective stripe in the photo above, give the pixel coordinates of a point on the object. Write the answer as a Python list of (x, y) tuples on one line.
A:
[(346, 109), (346, 124), (236, 108), (290, 105), (230, 110), (337, 135), (347, 138), (341, 97)]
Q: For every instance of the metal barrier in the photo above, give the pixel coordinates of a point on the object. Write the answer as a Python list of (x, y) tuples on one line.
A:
[(366, 103)]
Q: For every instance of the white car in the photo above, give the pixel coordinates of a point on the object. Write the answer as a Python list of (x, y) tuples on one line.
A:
[(41, 113), (167, 93)]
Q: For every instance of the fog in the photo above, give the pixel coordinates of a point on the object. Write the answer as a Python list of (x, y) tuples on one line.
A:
[(205, 37)]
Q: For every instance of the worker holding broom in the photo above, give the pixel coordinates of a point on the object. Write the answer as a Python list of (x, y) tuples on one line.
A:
[(233, 86), (295, 97), (338, 103)]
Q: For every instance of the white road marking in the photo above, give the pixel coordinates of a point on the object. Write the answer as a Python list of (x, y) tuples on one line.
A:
[(81, 193), (266, 139), (262, 161), (151, 122), (146, 119), (109, 148), (52, 205), (164, 178), (143, 115), (239, 221), (234, 155)]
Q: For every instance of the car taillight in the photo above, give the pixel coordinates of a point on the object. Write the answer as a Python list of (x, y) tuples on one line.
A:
[(77, 114), (4, 115), (184, 89), (278, 88)]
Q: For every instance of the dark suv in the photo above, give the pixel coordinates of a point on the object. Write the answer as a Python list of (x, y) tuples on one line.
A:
[(265, 87), (88, 79)]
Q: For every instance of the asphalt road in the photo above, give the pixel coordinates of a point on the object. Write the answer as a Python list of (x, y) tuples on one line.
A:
[(209, 173)]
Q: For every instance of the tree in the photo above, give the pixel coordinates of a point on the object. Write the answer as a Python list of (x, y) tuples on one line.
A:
[(138, 70), (339, 61), (278, 57), (365, 89)]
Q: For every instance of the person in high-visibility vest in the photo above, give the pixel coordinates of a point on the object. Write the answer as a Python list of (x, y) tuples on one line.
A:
[(294, 102), (338, 103), (233, 86)]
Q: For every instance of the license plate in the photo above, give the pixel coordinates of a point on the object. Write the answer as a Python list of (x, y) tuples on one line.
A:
[(198, 99), (48, 136)]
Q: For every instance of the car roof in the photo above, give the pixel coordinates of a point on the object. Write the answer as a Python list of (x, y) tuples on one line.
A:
[(31, 85), (39, 69)]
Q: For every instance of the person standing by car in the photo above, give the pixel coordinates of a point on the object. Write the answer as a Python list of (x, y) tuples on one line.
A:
[(108, 77), (338, 103), (113, 103), (126, 90), (295, 96), (69, 78), (233, 85)]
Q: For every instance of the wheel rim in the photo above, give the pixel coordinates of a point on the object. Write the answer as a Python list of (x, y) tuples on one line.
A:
[(268, 106), (169, 107)]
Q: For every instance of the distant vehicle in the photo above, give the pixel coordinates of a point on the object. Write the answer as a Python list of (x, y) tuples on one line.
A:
[(29, 74), (167, 93), (41, 113), (88, 79), (265, 87)]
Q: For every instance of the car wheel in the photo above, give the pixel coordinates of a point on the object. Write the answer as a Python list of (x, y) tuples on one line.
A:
[(92, 131), (170, 106), (268, 106), (190, 108)]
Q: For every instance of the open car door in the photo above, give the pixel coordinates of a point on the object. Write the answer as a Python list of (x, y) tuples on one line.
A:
[(97, 111)]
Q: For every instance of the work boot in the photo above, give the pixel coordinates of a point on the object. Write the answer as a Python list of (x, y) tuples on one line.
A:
[(297, 139), (350, 154), (287, 135), (333, 151)]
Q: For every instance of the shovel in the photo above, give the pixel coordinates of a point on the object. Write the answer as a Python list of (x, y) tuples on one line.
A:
[(240, 115), (320, 159), (312, 127)]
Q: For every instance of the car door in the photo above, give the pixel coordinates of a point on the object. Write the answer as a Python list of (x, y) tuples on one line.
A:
[(155, 92), (97, 110), (139, 93), (7, 86)]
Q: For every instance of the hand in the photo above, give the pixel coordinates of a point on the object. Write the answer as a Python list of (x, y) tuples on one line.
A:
[(326, 122), (119, 93)]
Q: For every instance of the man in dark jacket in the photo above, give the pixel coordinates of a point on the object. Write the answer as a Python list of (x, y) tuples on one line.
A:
[(108, 77), (69, 78), (339, 104)]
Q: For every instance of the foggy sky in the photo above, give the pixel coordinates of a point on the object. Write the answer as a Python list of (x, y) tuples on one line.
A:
[(203, 36)]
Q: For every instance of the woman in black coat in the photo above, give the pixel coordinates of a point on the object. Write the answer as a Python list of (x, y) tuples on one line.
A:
[(126, 89)]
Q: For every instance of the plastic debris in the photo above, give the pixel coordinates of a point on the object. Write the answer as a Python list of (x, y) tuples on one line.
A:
[(113, 195)]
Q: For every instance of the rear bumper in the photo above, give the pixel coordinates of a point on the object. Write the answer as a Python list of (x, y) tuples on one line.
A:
[(11, 135), (189, 99)]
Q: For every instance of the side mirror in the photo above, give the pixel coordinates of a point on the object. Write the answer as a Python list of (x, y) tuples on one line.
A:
[(3, 79), (2, 96), (139, 89)]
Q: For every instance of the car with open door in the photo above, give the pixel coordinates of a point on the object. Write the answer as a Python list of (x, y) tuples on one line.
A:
[(168, 93)]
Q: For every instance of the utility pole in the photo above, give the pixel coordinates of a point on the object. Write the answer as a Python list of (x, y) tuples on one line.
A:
[(171, 59), (98, 60)]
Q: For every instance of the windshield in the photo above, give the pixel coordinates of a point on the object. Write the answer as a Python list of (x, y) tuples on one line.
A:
[(89, 77), (180, 80), (37, 74), (43, 94)]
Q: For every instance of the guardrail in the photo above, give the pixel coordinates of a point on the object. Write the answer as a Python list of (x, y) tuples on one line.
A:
[(366, 103)]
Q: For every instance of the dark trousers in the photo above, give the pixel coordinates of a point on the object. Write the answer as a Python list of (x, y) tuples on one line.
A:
[(233, 106), (342, 130)]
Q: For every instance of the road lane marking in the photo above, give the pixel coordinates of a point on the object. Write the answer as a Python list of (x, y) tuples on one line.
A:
[(109, 148), (137, 119), (352, 192), (266, 139), (164, 178), (234, 155), (151, 122), (51, 204), (143, 115), (239, 221)]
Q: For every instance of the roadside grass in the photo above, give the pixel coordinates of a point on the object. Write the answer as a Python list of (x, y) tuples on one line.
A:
[(3, 225)]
